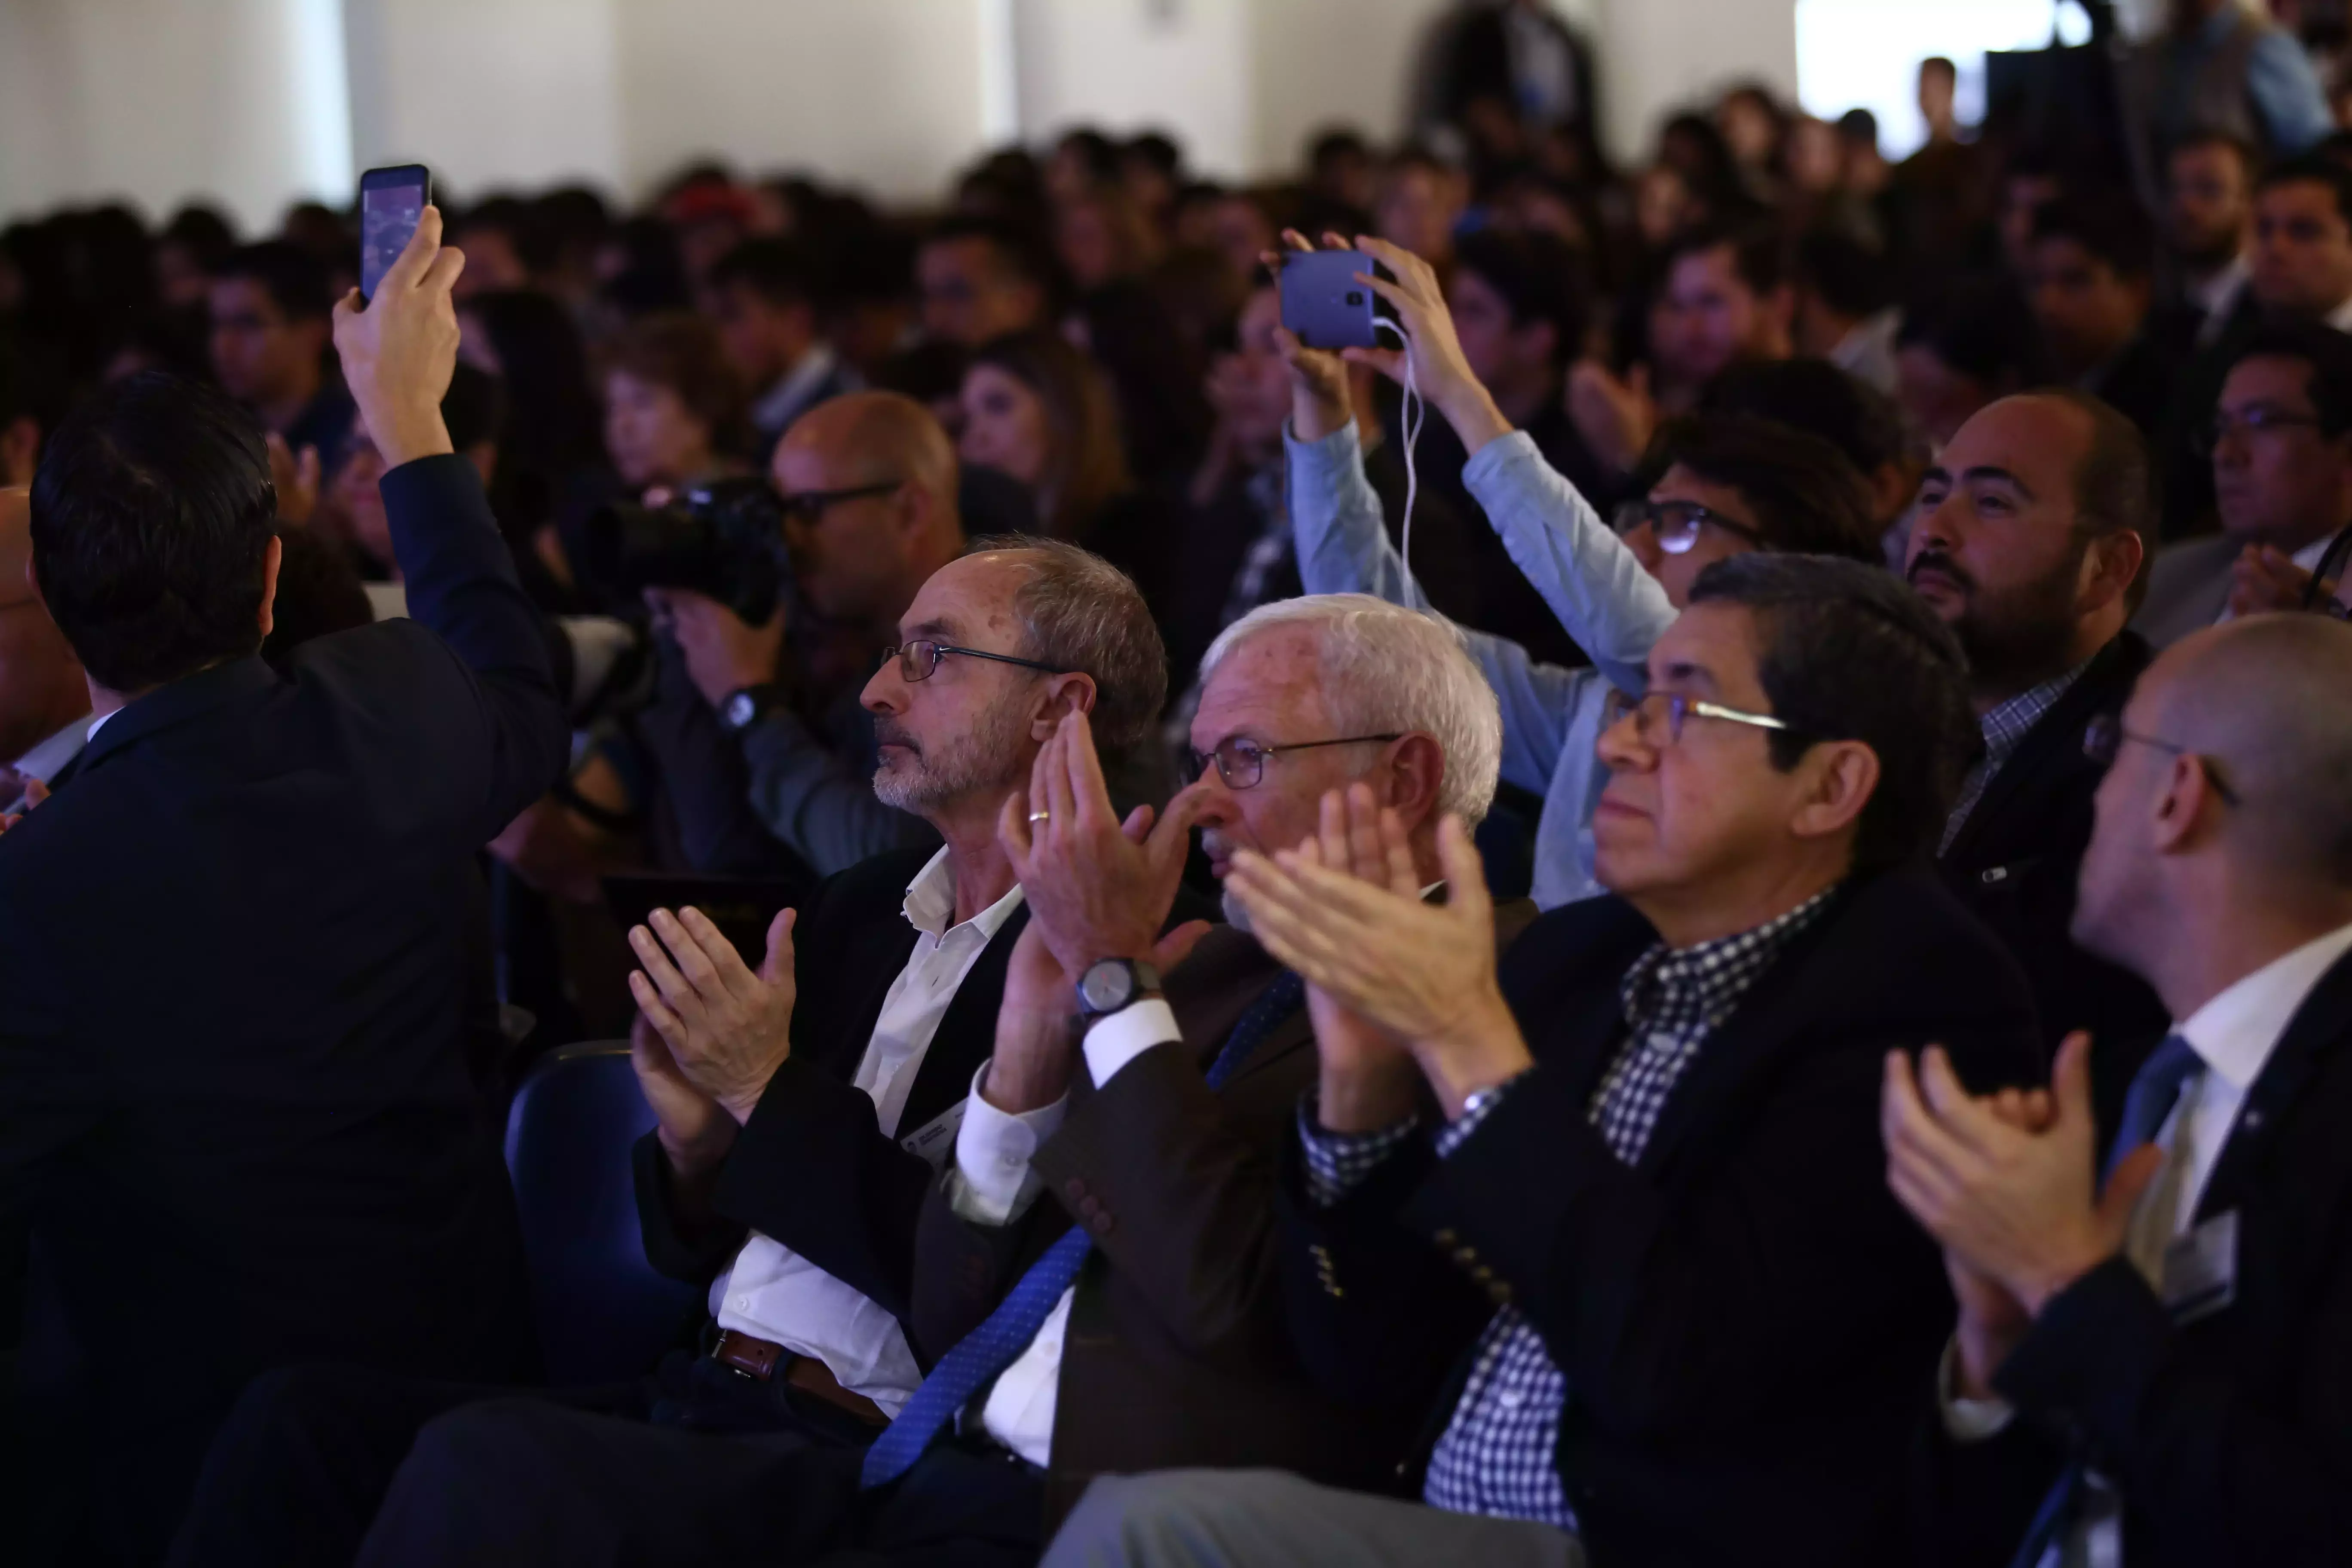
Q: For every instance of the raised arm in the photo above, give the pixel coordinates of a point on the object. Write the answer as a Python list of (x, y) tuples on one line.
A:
[(398, 354)]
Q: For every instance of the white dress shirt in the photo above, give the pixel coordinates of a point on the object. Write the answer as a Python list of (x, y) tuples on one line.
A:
[(771, 1292), (45, 760), (992, 1184), (2233, 1035), (2216, 299), (788, 399), (2308, 558)]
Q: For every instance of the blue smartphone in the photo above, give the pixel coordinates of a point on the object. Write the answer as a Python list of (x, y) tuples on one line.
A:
[(390, 202), (1324, 304)]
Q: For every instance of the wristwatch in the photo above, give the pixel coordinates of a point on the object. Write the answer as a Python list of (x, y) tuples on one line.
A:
[(1113, 985), (745, 708)]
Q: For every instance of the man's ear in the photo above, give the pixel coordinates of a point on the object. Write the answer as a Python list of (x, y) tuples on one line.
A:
[(1063, 694), (270, 560), (2188, 807), (20, 451), (1845, 777), (1416, 776), (2110, 565)]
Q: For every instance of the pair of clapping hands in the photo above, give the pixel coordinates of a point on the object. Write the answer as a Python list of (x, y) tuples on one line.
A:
[(2007, 1182)]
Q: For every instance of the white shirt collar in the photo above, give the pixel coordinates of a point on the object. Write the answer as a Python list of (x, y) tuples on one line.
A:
[(2236, 1032), (97, 724), (2308, 556), (776, 407), (43, 760), (2218, 295), (932, 901), (2340, 318)]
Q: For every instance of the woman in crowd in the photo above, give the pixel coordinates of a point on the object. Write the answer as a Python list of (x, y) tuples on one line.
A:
[(1037, 409), (674, 408)]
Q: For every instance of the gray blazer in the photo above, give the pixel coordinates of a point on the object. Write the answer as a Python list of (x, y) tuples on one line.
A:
[(2188, 588)]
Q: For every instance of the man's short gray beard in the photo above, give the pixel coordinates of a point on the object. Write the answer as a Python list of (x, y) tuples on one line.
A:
[(980, 762), (1236, 914)]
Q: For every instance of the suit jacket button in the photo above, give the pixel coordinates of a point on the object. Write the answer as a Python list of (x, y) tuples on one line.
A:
[(1076, 1188), (1446, 1236), (1089, 1208), (1481, 1274), (1465, 1255), (1499, 1293)]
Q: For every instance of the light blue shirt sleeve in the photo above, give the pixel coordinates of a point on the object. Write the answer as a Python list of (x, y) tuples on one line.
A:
[(2285, 86), (1344, 548)]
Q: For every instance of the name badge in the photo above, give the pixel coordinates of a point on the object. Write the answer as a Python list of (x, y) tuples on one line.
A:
[(2200, 1270), (935, 1139)]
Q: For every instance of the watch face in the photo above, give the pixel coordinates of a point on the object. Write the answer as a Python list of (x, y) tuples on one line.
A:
[(1105, 986)]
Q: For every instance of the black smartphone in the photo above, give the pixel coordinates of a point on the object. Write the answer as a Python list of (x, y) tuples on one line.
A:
[(1324, 304), (390, 201)]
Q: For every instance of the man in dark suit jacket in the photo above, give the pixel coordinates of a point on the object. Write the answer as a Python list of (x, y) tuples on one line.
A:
[(232, 1031), (2159, 1376), (1678, 1308), (802, 1113), (2027, 543)]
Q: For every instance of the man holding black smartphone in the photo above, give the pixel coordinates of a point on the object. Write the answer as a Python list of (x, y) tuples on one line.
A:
[(239, 1119)]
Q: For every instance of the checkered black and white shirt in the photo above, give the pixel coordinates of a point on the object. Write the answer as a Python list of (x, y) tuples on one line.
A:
[(1495, 1456), (2005, 726)]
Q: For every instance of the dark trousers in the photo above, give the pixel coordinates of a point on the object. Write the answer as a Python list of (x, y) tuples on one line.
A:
[(330, 1467)]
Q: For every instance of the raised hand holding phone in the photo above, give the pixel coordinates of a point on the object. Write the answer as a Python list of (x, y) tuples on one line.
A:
[(400, 348)]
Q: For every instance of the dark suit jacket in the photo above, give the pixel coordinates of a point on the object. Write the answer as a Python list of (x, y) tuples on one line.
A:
[(1177, 1353), (1745, 1316), (2014, 862), (232, 1045), (813, 1168), (2230, 1437)]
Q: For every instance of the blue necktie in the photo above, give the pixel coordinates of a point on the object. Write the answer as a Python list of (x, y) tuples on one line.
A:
[(2154, 1090), (981, 1355)]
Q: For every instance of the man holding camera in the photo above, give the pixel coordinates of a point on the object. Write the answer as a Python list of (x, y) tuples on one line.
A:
[(868, 487)]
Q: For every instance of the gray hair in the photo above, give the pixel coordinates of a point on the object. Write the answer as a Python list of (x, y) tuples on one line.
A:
[(1387, 668), (1078, 612)]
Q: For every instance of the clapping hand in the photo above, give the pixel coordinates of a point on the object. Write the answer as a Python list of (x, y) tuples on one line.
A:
[(2009, 1186), (2264, 578), (1097, 887), (1424, 971), (1368, 1077), (35, 792), (295, 478), (728, 1028), (400, 349), (1615, 417)]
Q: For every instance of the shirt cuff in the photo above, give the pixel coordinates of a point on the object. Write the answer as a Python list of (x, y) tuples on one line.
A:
[(1339, 1163), (1458, 1132), (993, 1182), (1111, 1043), (1967, 1420)]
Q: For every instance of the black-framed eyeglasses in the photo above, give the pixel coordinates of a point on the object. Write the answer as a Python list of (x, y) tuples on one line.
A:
[(2105, 736), (809, 506), (1678, 709), (1241, 763), (2206, 439), (1676, 524), (920, 660)]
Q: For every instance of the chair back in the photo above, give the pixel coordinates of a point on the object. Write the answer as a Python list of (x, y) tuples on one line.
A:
[(605, 1315)]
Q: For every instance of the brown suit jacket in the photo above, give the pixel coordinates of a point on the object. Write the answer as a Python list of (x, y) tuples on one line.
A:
[(1178, 1352)]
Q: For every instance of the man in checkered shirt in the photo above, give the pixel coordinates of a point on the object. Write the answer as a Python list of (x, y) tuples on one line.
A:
[(1639, 1257)]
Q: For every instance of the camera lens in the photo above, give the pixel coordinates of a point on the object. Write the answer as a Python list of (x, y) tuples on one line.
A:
[(1355, 296)]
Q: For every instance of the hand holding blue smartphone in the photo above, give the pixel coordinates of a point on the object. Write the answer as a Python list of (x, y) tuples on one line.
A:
[(390, 202), (1322, 302)]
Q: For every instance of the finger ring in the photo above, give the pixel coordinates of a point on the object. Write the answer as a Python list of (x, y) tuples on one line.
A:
[(1039, 815)]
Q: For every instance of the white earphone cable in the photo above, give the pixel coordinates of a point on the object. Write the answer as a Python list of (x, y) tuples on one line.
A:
[(1413, 412)]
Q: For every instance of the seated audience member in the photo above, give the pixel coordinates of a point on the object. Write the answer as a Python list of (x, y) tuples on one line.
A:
[(2208, 229), (2156, 1376), (1238, 552), (280, 1110), (271, 345), (1961, 349), (507, 246), (2027, 541), (44, 698), (802, 1116), (2090, 282), (981, 280), (1724, 299), (868, 484), (1419, 201), (1842, 311), (1154, 373), (2281, 440), (471, 411), (765, 304), (1036, 409), (1648, 1229), (2300, 270), (1726, 487), (674, 412)]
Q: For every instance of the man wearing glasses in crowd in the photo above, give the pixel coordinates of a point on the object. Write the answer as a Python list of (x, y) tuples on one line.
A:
[(1726, 487), (868, 483)]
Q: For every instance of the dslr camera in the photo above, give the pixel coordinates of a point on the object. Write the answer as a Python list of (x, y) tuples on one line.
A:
[(724, 539)]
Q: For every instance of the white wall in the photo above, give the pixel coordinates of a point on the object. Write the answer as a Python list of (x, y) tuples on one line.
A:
[(239, 101), (1332, 62), (1663, 55), (883, 93), (487, 92), (1181, 66)]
